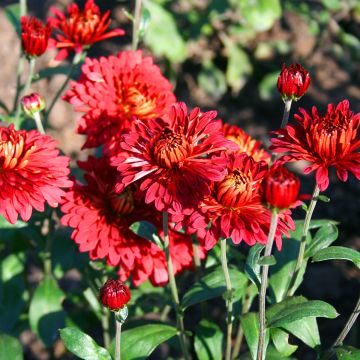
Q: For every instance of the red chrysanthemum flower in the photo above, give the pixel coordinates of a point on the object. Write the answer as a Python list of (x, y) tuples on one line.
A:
[(34, 36), (31, 173), (101, 220), (245, 143), (234, 208), (113, 91), (293, 82), (280, 188), (172, 157), (324, 141), (114, 294), (80, 29)]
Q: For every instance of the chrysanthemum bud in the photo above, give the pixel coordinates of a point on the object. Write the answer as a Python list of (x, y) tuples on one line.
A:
[(293, 82), (280, 188), (114, 294), (34, 36), (32, 104)]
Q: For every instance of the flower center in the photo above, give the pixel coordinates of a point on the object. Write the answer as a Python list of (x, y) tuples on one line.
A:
[(134, 103), (333, 122), (236, 189), (84, 27), (170, 148), (122, 204), (13, 154)]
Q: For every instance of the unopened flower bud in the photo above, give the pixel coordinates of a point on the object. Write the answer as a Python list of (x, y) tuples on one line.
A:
[(293, 82), (280, 188), (32, 104), (114, 294)]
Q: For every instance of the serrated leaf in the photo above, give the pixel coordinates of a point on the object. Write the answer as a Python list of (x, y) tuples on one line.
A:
[(162, 35), (252, 267), (213, 285), (281, 341), (147, 231), (82, 345), (323, 238), (267, 260), (305, 329), (10, 348), (338, 253), (138, 343), (208, 341), (310, 308), (46, 315), (250, 325)]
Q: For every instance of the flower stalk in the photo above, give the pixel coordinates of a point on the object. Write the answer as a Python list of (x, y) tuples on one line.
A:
[(173, 287), (136, 25), (300, 258), (286, 113), (264, 283), (228, 298), (118, 340)]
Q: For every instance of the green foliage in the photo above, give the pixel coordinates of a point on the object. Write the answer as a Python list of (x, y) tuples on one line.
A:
[(208, 341), (250, 325), (46, 314), (213, 285), (12, 13), (338, 253), (162, 34), (347, 353), (323, 238), (82, 345), (252, 267), (138, 343), (148, 231), (280, 339), (10, 348)]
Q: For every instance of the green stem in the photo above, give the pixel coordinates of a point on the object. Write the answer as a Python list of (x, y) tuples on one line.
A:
[(105, 323), (19, 71), (173, 287), (229, 299), (25, 89), (264, 283), (286, 113), (23, 8), (240, 333), (300, 258), (136, 25), (118, 340), (39, 126)]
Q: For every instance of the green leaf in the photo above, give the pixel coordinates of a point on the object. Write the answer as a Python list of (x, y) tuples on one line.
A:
[(46, 314), (280, 274), (208, 341), (10, 348), (281, 341), (305, 329), (267, 86), (12, 290), (93, 302), (82, 345), (212, 81), (12, 13), (51, 71), (323, 238), (213, 285), (324, 198), (259, 14), (252, 267), (347, 353), (294, 312), (4, 224), (238, 68), (338, 253), (162, 35), (147, 231), (250, 325), (138, 343), (267, 260)]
